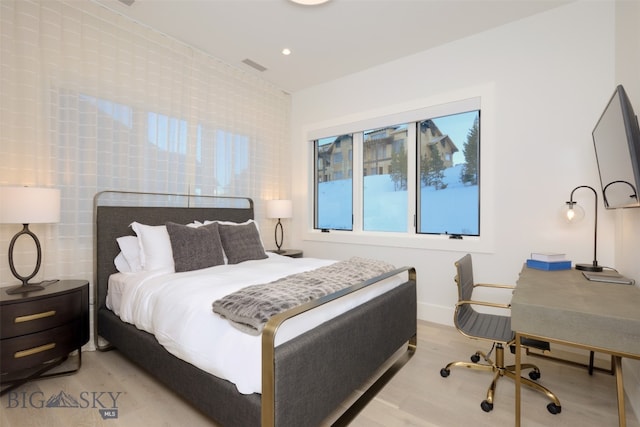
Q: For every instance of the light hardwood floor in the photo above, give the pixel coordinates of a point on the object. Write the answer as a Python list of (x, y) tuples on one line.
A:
[(416, 396)]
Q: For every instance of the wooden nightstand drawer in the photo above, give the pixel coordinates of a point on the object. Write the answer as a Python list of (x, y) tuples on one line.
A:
[(39, 329), (26, 317), (33, 349)]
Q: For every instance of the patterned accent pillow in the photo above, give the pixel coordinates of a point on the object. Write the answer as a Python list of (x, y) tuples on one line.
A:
[(195, 248), (241, 242)]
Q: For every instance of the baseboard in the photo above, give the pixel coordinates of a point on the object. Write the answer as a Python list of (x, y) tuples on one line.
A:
[(435, 313)]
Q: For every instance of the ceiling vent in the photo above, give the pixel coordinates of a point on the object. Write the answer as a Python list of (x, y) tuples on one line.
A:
[(127, 2), (254, 64)]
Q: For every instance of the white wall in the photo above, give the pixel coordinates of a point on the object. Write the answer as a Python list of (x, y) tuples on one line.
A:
[(550, 77), (627, 249), (627, 72)]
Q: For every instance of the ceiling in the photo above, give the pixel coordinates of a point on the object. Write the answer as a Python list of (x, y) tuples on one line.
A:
[(327, 41)]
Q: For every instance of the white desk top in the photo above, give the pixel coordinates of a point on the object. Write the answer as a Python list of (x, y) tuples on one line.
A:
[(565, 306)]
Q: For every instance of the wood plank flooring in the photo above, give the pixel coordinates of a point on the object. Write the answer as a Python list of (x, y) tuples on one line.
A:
[(416, 396)]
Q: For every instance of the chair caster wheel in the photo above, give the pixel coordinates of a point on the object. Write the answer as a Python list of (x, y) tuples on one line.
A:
[(444, 373), (534, 375), (553, 408), (486, 406), (475, 358)]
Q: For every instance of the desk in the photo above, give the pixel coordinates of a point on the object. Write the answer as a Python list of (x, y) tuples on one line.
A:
[(564, 307)]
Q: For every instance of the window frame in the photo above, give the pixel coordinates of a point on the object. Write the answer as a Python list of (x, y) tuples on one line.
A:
[(418, 222), (410, 136), (337, 144), (479, 97)]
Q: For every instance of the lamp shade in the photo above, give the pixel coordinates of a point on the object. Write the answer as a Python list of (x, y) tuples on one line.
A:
[(572, 212), (279, 209), (29, 205)]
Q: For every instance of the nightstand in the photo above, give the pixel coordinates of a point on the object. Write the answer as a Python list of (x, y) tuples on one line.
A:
[(291, 253), (40, 329)]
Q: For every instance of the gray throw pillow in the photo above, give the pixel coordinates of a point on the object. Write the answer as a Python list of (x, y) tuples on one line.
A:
[(195, 248), (241, 242)]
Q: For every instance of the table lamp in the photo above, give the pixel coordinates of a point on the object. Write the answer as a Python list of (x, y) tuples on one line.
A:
[(28, 205), (279, 209), (573, 213)]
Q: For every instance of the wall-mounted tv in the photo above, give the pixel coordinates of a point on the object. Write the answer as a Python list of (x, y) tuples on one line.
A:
[(616, 138)]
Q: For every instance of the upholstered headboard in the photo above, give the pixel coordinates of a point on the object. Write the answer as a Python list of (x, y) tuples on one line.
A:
[(112, 221)]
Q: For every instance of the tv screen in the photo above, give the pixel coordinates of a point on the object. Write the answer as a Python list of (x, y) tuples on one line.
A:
[(616, 138)]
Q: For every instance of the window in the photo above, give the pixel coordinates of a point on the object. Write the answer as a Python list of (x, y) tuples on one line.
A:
[(417, 177), (449, 196), (385, 193), (333, 183)]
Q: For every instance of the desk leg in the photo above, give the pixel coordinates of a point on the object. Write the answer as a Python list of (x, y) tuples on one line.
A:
[(517, 379), (622, 419)]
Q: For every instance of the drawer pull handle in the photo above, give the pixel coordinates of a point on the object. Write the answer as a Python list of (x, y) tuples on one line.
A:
[(34, 350), (30, 317)]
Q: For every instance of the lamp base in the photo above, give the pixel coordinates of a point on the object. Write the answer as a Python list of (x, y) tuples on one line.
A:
[(23, 289), (588, 267)]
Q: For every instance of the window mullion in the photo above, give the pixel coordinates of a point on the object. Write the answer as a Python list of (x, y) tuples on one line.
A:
[(358, 181), (412, 181)]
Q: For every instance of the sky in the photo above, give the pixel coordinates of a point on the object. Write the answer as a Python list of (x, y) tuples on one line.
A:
[(457, 127)]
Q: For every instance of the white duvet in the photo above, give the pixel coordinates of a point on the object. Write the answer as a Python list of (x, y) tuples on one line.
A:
[(176, 308)]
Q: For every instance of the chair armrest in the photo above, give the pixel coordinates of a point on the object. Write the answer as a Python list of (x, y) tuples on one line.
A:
[(493, 285), (484, 303)]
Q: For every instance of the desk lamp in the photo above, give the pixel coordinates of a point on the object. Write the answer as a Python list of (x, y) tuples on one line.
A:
[(28, 205), (279, 209), (573, 213)]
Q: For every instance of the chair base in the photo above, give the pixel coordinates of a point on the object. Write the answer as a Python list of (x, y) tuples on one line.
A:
[(500, 370)]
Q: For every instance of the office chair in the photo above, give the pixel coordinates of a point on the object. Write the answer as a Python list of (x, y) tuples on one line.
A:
[(496, 329)]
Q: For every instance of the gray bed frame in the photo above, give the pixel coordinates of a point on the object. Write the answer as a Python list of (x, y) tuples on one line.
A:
[(305, 379)]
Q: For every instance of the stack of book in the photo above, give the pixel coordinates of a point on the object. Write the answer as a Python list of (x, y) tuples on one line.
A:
[(548, 261)]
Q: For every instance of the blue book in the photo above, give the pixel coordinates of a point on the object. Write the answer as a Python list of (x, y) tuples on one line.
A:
[(549, 265)]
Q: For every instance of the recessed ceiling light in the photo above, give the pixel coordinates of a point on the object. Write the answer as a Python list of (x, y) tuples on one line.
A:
[(286, 51), (309, 2)]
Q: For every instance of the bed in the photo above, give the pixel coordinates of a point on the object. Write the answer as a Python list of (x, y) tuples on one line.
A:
[(304, 378)]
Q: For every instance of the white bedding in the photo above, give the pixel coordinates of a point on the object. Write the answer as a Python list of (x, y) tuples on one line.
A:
[(176, 308)]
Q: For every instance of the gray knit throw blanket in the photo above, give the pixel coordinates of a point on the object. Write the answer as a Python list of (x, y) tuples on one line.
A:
[(250, 308)]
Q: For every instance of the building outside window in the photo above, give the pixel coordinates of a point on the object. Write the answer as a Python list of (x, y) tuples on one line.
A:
[(334, 183)]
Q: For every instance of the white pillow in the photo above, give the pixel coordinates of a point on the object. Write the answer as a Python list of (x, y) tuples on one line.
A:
[(130, 250), (155, 246), (121, 264)]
